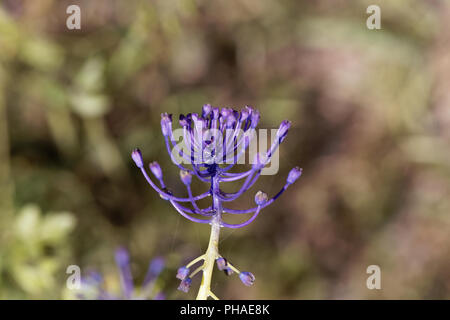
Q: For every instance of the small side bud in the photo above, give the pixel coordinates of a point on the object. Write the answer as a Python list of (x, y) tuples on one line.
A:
[(294, 174), (156, 170), (228, 271), (247, 278), (182, 273), (261, 198), (137, 158), (166, 124), (186, 177), (185, 285), (221, 263), (283, 129)]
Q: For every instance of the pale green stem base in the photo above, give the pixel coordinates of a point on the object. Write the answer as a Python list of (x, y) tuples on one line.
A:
[(212, 253)]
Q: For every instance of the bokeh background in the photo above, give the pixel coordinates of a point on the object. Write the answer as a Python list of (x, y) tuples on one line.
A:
[(371, 129)]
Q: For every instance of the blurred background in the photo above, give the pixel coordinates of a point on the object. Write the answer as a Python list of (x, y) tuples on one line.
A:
[(371, 129)]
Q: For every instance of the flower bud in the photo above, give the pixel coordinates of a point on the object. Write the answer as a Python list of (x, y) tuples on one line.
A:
[(215, 112), (247, 278), (122, 257), (228, 271), (184, 120), (255, 119), (226, 112), (157, 265), (156, 170), (186, 177), (244, 115), (137, 158), (261, 198), (283, 129), (206, 110), (185, 285), (294, 174), (221, 263), (166, 124), (182, 273)]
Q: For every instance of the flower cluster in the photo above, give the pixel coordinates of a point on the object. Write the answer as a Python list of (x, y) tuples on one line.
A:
[(93, 286), (213, 143)]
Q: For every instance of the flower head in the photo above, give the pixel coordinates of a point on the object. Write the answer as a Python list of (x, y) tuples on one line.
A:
[(213, 143)]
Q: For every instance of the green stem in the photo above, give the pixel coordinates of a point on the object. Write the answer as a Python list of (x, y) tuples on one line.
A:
[(212, 253), (210, 257)]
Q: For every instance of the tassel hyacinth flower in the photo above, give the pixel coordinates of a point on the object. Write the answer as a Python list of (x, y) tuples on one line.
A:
[(93, 288), (213, 143)]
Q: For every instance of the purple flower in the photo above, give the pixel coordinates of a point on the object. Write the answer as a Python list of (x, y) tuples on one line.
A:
[(182, 273), (294, 174), (93, 285), (166, 124), (156, 170), (247, 278), (221, 263), (185, 285), (137, 158), (186, 177), (261, 198), (213, 143)]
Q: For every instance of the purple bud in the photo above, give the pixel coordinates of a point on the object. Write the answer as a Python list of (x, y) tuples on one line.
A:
[(182, 273), (283, 129), (184, 121), (206, 110), (247, 278), (230, 121), (244, 115), (185, 285), (122, 257), (156, 170), (261, 198), (249, 109), (228, 271), (225, 112), (215, 112), (157, 265), (186, 177), (221, 263), (137, 157), (255, 119), (294, 174), (166, 124)]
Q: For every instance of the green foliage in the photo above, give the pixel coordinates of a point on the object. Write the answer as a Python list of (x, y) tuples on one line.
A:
[(34, 253)]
